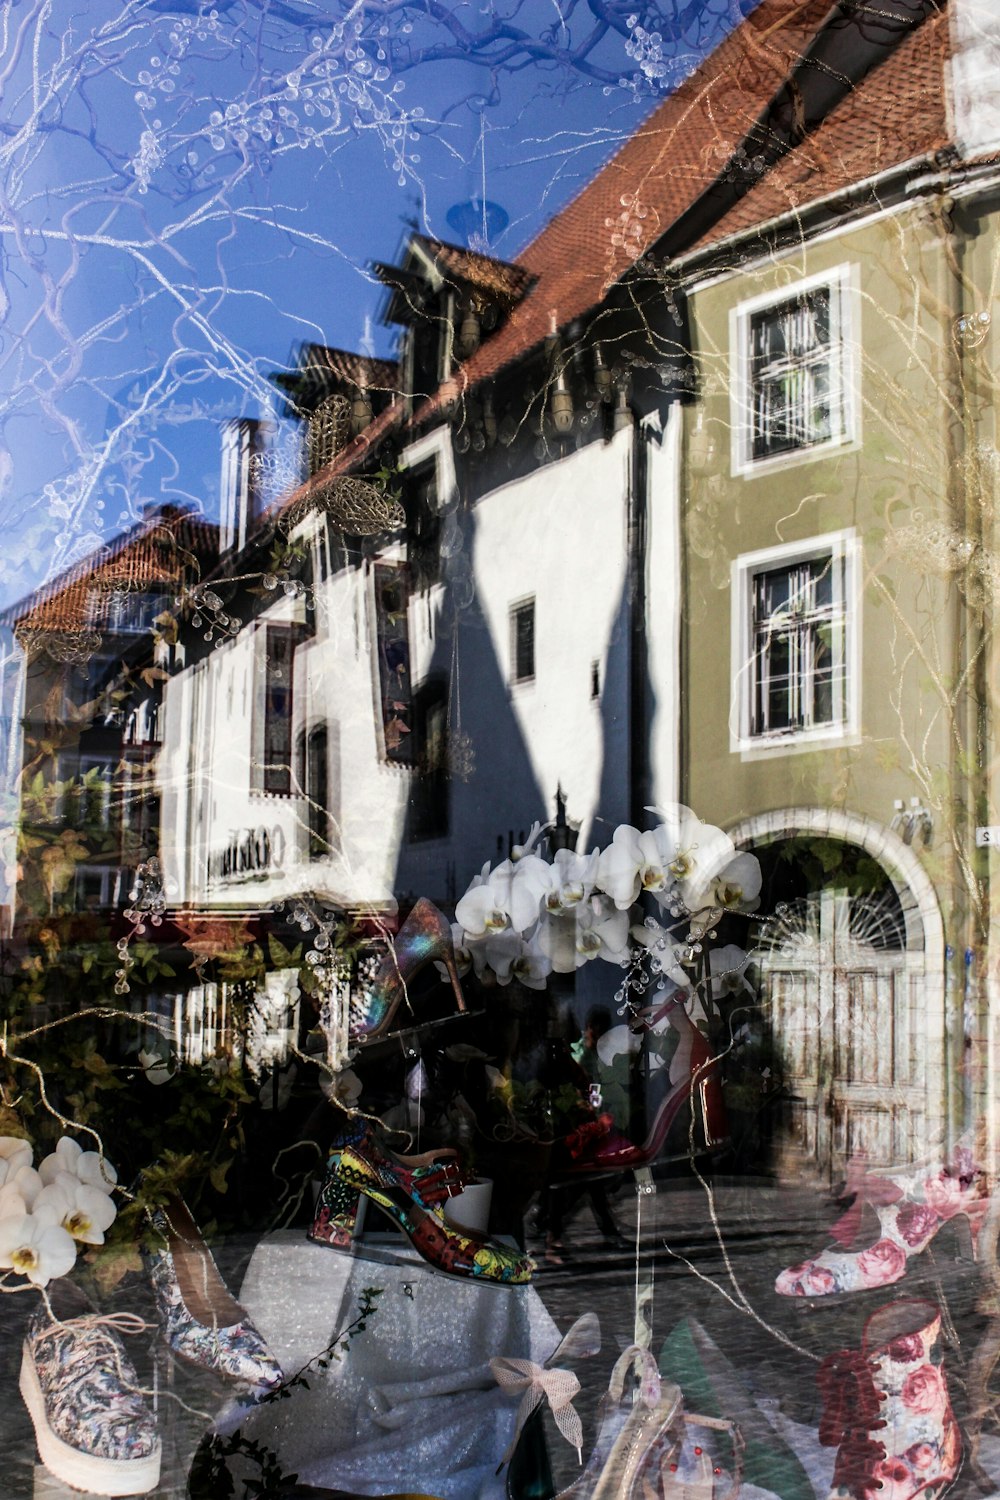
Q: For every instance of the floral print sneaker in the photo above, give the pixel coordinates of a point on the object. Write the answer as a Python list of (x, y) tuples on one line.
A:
[(911, 1208), (201, 1322), (887, 1409), (93, 1428)]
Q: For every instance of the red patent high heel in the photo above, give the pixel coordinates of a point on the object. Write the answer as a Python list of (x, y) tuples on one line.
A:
[(423, 937), (697, 1074)]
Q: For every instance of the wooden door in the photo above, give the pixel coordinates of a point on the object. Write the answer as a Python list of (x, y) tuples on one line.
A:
[(842, 995)]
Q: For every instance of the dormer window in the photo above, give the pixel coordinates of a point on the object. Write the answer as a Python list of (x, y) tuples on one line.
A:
[(446, 297)]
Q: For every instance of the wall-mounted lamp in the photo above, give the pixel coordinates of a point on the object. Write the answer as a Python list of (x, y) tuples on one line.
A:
[(469, 333), (361, 410), (913, 822), (562, 406), (603, 379), (489, 419)]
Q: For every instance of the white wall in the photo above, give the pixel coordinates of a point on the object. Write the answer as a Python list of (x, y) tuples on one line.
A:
[(663, 608), (559, 535), (975, 75)]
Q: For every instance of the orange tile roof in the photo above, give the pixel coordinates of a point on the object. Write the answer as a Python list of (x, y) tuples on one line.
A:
[(894, 114), (480, 270), (317, 362), (162, 550), (659, 171), (897, 114)]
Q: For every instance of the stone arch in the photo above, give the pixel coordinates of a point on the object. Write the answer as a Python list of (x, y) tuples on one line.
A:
[(921, 911), (926, 1094)]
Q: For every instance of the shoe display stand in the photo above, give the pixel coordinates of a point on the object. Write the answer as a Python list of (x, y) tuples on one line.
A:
[(413, 1405)]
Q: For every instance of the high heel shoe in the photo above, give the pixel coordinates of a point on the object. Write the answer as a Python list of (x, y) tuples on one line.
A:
[(430, 1178), (911, 1207), (887, 1410), (364, 1171), (694, 1075), (201, 1322), (425, 936)]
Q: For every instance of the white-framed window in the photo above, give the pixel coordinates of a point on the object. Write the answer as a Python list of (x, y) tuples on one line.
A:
[(795, 634), (522, 641), (792, 377)]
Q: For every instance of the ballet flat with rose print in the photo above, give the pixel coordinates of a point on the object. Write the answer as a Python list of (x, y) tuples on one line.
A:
[(911, 1208)]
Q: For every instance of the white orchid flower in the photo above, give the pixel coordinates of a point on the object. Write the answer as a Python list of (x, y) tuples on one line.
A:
[(508, 896), (84, 1212), (693, 855), (156, 1068), (15, 1153), (616, 1042), (619, 866), (572, 879), (36, 1246), (89, 1166), (19, 1192), (727, 968), (738, 885), (528, 963), (520, 850), (495, 952), (593, 930)]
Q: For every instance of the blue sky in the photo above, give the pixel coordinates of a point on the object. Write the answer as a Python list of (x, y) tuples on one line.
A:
[(191, 190)]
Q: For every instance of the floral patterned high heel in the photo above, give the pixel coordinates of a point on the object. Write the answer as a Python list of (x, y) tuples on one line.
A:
[(424, 937), (911, 1207), (431, 1178), (201, 1322), (363, 1170)]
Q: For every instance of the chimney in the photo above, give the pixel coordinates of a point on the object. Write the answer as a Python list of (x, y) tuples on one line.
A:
[(239, 510), (975, 76)]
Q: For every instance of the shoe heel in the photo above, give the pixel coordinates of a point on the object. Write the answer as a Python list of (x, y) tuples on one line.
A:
[(969, 1228), (456, 983), (339, 1213), (714, 1120)]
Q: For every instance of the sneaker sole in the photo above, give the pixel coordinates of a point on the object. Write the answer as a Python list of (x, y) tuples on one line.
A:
[(83, 1471)]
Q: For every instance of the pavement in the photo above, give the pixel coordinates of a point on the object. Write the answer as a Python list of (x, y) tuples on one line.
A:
[(684, 1249)]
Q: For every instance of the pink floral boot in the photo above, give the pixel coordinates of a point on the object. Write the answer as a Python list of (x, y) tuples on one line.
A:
[(886, 1409), (911, 1207)]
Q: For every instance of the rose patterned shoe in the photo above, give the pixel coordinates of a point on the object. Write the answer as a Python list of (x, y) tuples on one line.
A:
[(887, 1411), (201, 1322), (911, 1208), (93, 1428)]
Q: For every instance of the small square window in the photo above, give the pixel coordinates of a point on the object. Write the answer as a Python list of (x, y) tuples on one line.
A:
[(522, 641)]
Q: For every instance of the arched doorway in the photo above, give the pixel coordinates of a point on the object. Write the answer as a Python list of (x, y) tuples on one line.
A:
[(851, 965)]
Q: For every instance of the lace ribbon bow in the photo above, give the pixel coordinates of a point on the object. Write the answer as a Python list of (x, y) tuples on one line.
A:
[(851, 1410), (558, 1387)]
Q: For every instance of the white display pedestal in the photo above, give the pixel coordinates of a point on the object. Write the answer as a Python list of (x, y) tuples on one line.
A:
[(412, 1404)]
